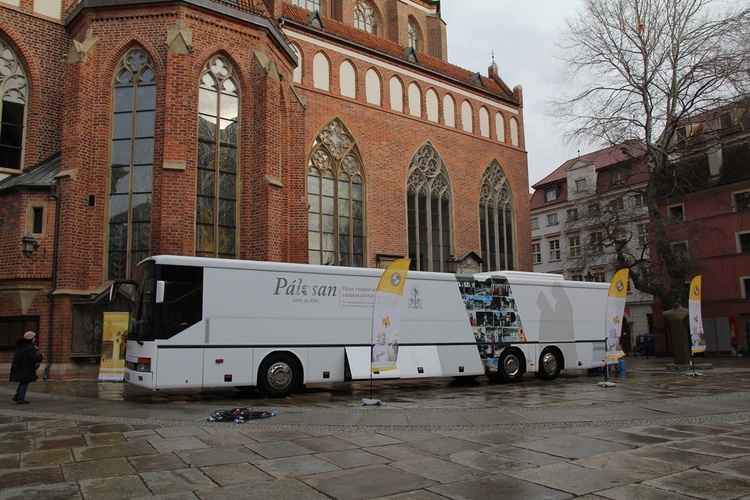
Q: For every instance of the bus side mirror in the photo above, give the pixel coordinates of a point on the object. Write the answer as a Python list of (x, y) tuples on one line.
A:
[(116, 284), (160, 287)]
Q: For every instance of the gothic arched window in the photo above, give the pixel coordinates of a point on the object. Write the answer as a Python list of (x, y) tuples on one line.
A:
[(218, 134), (365, 17), (429, 211), (336, 195), (413, 35), (13, 91), (131, 168), (496, 220)]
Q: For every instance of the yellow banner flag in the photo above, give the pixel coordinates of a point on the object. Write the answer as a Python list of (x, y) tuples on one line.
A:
[(385, 316), (618, 290), (697, 337)]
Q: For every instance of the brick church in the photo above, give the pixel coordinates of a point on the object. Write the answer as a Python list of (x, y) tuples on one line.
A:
[(329, 132)]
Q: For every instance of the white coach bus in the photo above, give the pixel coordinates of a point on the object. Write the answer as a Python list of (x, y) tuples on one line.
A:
[(202, 322)]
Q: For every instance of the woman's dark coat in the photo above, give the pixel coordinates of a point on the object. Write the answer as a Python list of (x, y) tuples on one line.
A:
[(25, 359)]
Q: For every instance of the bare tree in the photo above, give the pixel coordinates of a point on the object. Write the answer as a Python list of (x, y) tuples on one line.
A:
[(645, 66)]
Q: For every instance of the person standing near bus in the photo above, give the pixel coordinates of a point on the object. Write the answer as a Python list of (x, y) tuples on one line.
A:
[(26, 360)]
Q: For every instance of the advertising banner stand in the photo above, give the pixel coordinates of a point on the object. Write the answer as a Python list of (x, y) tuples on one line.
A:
[(112, 366), (697, 336), (618, 290)]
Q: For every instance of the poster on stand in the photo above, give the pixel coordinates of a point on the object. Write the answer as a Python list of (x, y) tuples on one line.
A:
[(112, 366), (618, 290), (697, 337), (385, 316)]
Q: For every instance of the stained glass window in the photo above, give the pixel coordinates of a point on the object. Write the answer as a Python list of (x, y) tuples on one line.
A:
[(131, 168), (336, 194), (365, 17), (13, 92), (496, 220), (216, 190), (429, 211)]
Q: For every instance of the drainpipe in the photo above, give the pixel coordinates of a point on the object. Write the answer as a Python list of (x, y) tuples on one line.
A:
[(51, 311)]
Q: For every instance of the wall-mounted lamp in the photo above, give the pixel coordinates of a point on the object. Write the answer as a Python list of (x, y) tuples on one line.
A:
[(28, 245), (452, 264)]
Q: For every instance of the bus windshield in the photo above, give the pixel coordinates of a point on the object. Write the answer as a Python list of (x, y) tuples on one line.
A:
[(181, 306)]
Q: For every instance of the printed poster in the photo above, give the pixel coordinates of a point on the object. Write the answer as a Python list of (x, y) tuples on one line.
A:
[(115, 328)]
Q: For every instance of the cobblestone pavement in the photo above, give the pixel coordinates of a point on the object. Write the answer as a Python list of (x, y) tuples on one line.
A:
[(657, 434)]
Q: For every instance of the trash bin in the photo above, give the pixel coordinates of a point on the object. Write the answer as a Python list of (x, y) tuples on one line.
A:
[(621, 366)]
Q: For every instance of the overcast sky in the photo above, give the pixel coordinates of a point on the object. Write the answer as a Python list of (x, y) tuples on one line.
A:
[(523, 36)]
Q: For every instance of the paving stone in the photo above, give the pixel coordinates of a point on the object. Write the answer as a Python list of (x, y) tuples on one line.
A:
[(113, 451), (110, 467), (219, 456), (221, 439), (572, 478), (440, 471), (104, 438), (497, 487), (390, 419), (114, 488), (674, 456), (703, 484), (325, 444), (108, 428), (739, 467), (398, 452), (33, 476), (709, 447), (572, 446), (66, 431), (488, 462), (170, 481), (12, 427), (366, 482), (348, 459), (444, 446), (639, 491), (237, 473), (173, 432), (636, 467), (10, 460), (42, 458), (295, 466), (59, 442), (369, 439), (53, 491), (177, 444), (534, 458), (279, 449), (291, 488), (271, 435)]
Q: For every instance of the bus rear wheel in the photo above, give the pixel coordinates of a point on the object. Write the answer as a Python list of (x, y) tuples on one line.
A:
[(550, 364), (510, 367), (279, 375)]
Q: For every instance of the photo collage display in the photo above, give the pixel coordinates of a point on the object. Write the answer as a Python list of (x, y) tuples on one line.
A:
[(493, 315)]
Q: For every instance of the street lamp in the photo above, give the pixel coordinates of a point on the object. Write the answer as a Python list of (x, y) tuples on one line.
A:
[(28, 245), (452, 264)]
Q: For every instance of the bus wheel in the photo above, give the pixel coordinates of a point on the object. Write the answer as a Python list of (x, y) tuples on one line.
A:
[(279, 375), (510, 367), (550, 364)]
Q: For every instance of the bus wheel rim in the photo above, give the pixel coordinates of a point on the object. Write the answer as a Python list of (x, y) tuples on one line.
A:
[(549, 362), (511, 365), (279, 375)]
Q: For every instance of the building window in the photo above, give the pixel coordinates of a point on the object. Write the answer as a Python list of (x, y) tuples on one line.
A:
[(574, 246), (552, 219), (745, 284), (676, 213), (639, 200), (599, 276), (576, 276), (618, 204), (743, 242), (12, 109), (741, 200), (365, 18), (621, 236), (536, 253), (535, 223), (336, 194), (311, 5), (618, 176), (679, 249), (496, 220), (594, 209), (597, 242), (35, 219), (554, 250), (429, 209), (572, 214), (550, 194), (642, 235), (581, 185), (413, 36), (218, 133), (131, 168), (12, 329)]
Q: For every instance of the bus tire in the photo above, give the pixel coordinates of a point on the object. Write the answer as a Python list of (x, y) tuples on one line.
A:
[(279, 375), (510, 367), (550, 364)]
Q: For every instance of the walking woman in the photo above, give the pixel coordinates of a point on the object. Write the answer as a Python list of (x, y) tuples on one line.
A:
[(25, 362)]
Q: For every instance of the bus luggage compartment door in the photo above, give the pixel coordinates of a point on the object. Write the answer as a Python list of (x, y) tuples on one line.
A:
[(228, 366)]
